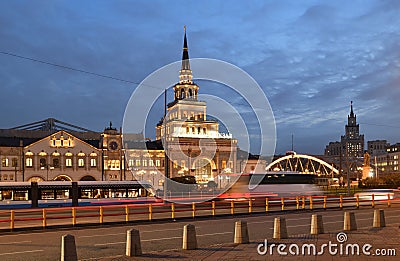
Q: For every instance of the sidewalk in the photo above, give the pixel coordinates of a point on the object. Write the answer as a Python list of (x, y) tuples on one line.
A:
[(381, 239)]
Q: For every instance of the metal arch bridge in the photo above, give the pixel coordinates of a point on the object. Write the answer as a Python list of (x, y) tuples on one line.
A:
[(303, 164)]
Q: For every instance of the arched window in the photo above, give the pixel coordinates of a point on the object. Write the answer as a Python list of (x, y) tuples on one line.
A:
[(42, 162), (56, 162), (182, 93), (29, 162), (190, 93)]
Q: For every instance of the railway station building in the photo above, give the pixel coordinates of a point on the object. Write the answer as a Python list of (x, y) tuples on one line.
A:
[(55, 150)]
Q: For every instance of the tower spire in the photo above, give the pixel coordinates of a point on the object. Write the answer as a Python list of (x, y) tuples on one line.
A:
[(351, 109), (185, 74)]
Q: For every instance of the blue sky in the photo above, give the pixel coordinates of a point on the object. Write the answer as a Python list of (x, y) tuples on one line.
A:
[(310, 57)]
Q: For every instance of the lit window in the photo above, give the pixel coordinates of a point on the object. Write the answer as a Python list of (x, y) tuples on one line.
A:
[(29, 162), (4, 162), (68, 162), (175, 163), (224, 164), (93, 162), (144, 163), (137, 163), (158, 163), (81, 162), (151, 163), (131, 163)]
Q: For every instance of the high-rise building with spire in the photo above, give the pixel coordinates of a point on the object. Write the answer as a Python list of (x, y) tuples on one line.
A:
[(195, 145), (352, 140)]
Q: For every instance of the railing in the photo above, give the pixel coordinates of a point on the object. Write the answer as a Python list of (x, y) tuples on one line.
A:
[(74, 216)]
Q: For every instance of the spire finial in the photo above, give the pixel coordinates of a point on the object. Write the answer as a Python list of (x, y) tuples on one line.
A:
[(351, 109), (185, 69)]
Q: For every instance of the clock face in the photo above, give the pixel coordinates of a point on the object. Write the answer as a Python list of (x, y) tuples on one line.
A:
[(113, 145)]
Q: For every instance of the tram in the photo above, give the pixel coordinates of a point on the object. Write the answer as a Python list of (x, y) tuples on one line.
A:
[(61, 193)]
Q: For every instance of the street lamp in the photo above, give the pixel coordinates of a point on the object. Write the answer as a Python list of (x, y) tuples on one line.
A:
[(47, 167)]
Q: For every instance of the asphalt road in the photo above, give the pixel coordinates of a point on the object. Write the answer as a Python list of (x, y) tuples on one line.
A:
[(109, 241)]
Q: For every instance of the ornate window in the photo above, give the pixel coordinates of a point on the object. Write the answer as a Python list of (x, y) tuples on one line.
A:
[(29, 162), (81, 162), (68, 162), (93, 162)]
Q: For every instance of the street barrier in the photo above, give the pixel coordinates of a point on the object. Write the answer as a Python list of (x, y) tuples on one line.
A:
[(189, 240), (250, 205), (73, 216), (379, 218), (349, 222), (68, 248), (133, 245), (317, 226), (373, 201), (280, 230), (241, 233)]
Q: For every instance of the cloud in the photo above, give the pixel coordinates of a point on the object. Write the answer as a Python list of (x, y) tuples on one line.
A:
[(311, 59)]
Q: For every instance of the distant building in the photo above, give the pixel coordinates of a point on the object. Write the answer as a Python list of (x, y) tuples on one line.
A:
[(388, 163), (352, 138), (377, 147), (352, 143), (347, 153)]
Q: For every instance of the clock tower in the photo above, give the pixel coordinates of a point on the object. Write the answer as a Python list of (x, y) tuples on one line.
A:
[(113, 167)]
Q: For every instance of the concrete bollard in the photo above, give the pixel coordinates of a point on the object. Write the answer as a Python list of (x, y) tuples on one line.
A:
[(317, 226), (379, 218), (68, 248), (189, 237), (241, 233), (133, 246), (349, 221), (280, 231)]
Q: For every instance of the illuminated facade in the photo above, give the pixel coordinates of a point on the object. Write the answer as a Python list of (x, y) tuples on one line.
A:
[(194, 144), (47, 153)]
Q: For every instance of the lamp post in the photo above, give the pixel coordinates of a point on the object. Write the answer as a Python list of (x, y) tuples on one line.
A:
[(47, 167)]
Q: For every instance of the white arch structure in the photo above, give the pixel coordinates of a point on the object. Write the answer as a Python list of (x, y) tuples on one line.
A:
[(302, 163)]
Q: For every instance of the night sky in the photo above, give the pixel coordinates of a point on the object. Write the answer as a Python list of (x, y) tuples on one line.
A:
[(310, 57)]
